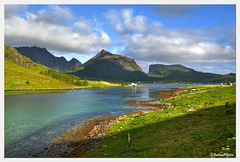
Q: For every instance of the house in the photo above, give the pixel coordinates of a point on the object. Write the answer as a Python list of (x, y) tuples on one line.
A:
[(133, 84)]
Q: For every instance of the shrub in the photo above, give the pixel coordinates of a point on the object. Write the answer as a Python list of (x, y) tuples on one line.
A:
[(78, 83), (85, 82)]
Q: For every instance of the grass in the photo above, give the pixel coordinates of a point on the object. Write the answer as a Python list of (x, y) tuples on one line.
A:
[(16, 77), (176, 132), (13, 93), (21, 73)]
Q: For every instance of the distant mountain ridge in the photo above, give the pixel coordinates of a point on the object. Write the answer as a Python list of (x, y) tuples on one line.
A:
[(155, 69), (179, 72), (42, 56), (106, 65)]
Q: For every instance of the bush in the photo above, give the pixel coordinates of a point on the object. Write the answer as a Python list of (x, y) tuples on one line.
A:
[(85, 82), (68, 78), (78, 83)]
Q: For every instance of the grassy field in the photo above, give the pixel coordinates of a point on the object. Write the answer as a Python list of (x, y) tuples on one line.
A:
[(209, 129)]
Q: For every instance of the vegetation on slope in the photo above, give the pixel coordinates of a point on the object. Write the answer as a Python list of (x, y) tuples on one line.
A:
[(223, 79), (22, 73), (179, 73), (111, 66), (201, 124)]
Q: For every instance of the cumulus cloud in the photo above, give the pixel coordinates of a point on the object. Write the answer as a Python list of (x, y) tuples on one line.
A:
[(166, 48), (125, 22), (52, 15), (206, 46), (174, 10), (48, 28)]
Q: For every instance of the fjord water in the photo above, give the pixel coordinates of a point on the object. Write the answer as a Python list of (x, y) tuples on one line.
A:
[(31, 121)]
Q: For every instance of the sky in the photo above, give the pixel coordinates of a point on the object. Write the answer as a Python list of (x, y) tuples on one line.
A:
[(202, 37)]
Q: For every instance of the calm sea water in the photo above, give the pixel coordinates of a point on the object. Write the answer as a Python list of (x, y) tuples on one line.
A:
[(33, 120)]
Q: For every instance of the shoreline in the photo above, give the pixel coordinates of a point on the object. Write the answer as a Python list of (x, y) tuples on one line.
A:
[(83, 137), (44, 89), (74, 88), (155, 103)]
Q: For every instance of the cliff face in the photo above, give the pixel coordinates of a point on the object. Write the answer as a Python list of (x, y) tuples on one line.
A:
[(106, 65), (42, 56)]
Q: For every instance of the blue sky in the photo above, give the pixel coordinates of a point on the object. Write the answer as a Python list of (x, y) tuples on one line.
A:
[(201, 37)]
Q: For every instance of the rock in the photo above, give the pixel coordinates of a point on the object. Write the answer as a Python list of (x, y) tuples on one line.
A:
[(132, 149), (175, 94), (105, 153), (191, 109)]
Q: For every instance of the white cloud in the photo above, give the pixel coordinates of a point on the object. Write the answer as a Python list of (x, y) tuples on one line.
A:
[(125, 23), (52, 15), (82, 27), (168, 48), (49, 29), (152, 43)]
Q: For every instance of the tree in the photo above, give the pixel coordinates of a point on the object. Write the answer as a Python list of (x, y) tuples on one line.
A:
[(85, 82), (27, 82), (78, 83)]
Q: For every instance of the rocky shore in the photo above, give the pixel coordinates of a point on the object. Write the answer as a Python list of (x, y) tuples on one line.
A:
[(83, 137), (155, 103)]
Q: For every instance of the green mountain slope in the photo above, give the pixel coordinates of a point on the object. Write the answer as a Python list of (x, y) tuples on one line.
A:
[(223, 79), (179, 72), (21, 72), (106, 65)]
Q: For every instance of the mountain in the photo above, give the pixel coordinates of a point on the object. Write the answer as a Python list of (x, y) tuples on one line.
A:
[(106, 65), (42, 56), (20, 72), (178, 72), (223, 79), (164, 70), (14, 55)]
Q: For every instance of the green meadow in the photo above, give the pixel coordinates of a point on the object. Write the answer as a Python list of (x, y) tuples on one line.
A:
[(202, 124)]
